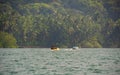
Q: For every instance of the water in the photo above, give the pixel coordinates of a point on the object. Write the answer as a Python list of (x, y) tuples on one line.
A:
[(43, 61)]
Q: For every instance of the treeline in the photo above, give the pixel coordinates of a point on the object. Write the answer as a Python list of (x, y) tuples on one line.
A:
[(65, 23)]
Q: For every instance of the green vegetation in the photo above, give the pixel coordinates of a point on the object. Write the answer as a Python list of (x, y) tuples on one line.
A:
[(7, 40), (85, 23)]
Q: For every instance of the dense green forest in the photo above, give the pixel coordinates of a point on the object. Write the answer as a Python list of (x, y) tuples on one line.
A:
[(65, 23)]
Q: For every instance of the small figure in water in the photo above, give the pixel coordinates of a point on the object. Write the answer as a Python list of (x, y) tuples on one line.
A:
[(54, 48)]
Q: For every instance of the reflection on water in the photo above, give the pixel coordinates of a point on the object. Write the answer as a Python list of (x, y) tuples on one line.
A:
[(43, 61)]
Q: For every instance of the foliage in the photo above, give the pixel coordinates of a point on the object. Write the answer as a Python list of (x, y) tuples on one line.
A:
[(7, 40), (91, 43), (87, 23)]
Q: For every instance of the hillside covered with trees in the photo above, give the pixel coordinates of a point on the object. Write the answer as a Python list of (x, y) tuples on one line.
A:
[(65, 23)]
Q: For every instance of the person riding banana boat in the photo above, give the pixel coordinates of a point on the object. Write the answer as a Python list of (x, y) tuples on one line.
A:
[(54, 48)]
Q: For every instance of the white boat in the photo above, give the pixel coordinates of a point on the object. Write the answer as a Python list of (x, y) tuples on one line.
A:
[(75, 47)]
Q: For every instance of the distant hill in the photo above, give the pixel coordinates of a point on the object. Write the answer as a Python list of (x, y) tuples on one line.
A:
[(65, 23)]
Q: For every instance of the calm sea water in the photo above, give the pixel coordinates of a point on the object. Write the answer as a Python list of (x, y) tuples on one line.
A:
[(43, 61)]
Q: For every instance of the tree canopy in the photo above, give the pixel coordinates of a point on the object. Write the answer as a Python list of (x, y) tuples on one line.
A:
[(7, 40), (86, 23)]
